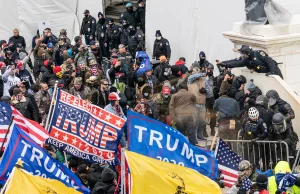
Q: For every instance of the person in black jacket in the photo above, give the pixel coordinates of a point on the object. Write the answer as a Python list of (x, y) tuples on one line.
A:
[(128, 15), (101, 27), (135, 41), (161, 47), (257, 61), (100, 97), (88, 27), (262, 105), (24, 105), (112, 35), (279, 105), (17, 39), (140, 15), (107, 184)]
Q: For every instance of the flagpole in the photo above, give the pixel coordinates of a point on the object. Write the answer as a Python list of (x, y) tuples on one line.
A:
[(123, 182), (51, 106), (214, 140), (6, 134), (66, 160)]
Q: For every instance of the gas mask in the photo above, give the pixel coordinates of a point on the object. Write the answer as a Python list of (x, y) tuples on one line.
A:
[(158, 38)]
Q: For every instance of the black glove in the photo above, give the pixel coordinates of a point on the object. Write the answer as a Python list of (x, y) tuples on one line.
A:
[(202, 90), (269, 73)]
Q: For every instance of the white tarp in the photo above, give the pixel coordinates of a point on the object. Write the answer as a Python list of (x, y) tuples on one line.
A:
[(25, 15), (197, 25)]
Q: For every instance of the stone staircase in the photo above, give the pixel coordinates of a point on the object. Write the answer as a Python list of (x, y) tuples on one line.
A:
[(114, 8)]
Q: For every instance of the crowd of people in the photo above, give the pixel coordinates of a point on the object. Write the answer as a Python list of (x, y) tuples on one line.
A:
[(104, 72)]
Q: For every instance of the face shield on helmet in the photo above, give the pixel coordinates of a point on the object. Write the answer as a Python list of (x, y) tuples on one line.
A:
[(279, 128), (272, 101)]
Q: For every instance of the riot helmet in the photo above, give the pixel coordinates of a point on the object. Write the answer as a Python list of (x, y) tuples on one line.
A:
[(273, 96), (278, 123), (262, 100), (245, 50)]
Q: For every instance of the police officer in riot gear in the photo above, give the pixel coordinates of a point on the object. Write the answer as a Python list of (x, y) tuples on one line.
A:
[(112, 36), (161, 47), (279, 105), (257, 61), (124, 33), (88, 27), (135, 41), (128, 15), (140, 15), (100, 34), (262, 105), (282, 131)]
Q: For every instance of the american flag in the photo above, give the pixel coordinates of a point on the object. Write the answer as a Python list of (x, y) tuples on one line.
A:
[(32, 128), (228, 162)]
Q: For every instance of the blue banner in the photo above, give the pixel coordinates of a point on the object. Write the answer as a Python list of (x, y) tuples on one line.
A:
[(157, 140), (35, 160), (146, 64), (85, 130)]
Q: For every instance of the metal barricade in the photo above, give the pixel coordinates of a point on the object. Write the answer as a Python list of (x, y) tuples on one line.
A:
[(264, 154)]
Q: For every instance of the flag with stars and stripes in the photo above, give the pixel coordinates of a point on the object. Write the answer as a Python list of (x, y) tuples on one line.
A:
[(85, 130), (32, 128), (228, 162)]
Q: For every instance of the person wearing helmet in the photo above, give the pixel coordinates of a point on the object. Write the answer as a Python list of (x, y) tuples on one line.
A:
[(262, 105), (88, 27), (257, 61), (128, 15), (279, 105), (254, 127), (135, 41), (243, 184), (282, 131), (112, 36), (210, 100)]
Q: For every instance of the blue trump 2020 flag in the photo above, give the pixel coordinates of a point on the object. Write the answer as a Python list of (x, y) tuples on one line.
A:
[(35, 160), (157, 140), (146, 64)]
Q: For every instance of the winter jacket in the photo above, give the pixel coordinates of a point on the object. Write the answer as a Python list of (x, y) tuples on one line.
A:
[(227, 108), (18, 40), (83, 92), (182, 104), (88, 26), (99, 99), (26, 108), (179, 69), (196, 83), (113, 110), (104, 188)]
